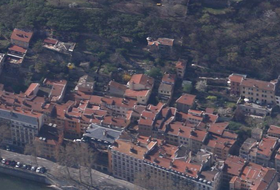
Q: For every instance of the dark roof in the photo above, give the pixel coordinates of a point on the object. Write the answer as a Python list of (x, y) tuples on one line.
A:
[(18, 117), (97, 132)]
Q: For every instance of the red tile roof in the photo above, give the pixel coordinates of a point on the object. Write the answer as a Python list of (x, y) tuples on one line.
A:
[(236, 78), (273, 129), (263, 85), (21, 35), (169, 78), (50, 41), (133, 94), (31, 88), (267, 145), (117, 85), (218, 128), (17, 49), (142, 79), (187, 99)]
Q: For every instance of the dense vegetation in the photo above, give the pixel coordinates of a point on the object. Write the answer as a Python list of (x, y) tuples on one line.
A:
[(243, 38)]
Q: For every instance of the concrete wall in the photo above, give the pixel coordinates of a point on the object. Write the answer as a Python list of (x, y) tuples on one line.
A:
[(25, 174)]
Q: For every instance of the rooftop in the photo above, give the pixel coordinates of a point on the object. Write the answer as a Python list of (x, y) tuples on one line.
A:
[(21, 35), (187, 99)]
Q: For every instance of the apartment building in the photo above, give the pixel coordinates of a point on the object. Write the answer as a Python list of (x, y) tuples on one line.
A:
[(153, 163), (24, 124), (277, 161)]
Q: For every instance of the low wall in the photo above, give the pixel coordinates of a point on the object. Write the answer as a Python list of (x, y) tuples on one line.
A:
[(25, 174)]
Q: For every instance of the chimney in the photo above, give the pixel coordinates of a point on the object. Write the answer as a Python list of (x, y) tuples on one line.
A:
[(105, 133)]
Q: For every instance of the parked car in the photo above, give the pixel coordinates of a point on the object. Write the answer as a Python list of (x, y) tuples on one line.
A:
[(43, 170), (3, 161), (28, 167), (38, 169), (24, 166), (13, 163), (18, 165), (33, 168), (7, 162)]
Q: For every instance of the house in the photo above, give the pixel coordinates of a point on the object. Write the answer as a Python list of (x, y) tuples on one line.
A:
[(15, 55), (116, 89), (273, 131), (21, 38), (181, 69), (58, 46), (85, 84), (166, 87), (185, 102)]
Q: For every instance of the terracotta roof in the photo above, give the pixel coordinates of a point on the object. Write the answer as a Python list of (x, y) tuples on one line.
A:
[(169, 78), (134, 93), (142, 79), (21, 35), (17, 49), (263, 85), (267, 145), (229, 134), (117, 85), (187, 99), (273, 129), (50, 41), (234, 165), (218, 128), (187, 132), (31, 88), (220, 142), (236, 78)]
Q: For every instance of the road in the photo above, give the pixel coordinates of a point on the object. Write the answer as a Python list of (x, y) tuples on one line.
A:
[(59, 175)]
